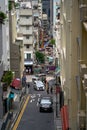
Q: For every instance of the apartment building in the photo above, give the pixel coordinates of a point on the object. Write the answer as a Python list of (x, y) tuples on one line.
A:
[(74, 61), (56, 29), (16, 43), (25, 27)]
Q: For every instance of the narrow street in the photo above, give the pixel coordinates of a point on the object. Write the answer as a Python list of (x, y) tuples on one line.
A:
[(32, 118)]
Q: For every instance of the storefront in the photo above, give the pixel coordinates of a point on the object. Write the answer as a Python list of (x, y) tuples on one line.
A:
[(28, 64)]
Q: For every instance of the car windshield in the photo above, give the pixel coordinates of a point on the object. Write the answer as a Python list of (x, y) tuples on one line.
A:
[(39, 83), (45, 101)]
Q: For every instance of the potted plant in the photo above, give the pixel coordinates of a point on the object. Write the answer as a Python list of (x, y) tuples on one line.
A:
[(2, 17)]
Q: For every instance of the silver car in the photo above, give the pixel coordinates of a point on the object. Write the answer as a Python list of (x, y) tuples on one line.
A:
[(39, 85)]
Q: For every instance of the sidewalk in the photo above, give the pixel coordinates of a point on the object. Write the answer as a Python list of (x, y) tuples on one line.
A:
[(13, 115), (17, 111), (57, 119)]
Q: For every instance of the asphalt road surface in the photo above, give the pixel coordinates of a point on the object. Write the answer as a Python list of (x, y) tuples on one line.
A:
[(32, 119)]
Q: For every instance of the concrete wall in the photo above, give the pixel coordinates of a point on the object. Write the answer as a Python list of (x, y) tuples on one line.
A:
[(5, 36), (70, 30)]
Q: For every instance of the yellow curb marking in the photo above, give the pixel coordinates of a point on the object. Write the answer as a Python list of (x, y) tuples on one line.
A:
[(21, 113)]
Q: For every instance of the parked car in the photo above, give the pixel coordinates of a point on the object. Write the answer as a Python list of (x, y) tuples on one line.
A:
[(46, 104), (38, 85)]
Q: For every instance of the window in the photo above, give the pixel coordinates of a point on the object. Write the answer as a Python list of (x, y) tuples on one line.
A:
[(28, 56), (27, 27), (27, 46), (27, 37), (27, 17)]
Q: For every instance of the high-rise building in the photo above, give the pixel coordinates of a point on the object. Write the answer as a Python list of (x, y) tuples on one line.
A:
[(25, 27)]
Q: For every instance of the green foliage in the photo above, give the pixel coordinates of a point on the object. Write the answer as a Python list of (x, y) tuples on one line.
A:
[(2, 17), (40, 57), (9, 5), (17, 5), (52, 41), (7, 77)]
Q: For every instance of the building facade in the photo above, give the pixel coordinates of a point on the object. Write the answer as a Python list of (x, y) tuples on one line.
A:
[(25, 23), (73, 61), (5, 37), (16, 44)]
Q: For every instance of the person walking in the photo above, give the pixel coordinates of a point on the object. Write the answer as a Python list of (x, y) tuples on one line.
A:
[(51, 90), (48, 90), (24, 84)]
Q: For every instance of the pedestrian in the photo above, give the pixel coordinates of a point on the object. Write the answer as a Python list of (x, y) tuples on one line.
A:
[(29, 70), (48, 90), (24, 80), (24, 84), (51, 90), (28, 85)]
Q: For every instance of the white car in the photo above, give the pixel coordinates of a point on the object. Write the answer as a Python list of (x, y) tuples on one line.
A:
[(39, 85)]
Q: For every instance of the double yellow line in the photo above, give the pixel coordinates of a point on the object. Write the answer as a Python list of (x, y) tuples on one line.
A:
[(21, 113)]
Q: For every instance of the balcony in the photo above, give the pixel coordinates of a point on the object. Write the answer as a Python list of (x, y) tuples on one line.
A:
[(25, 12), (25, 21), (27, 32), (28, 41)]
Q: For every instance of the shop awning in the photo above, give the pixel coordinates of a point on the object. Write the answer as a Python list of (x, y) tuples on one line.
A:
[(65, 117), (28, 62), (16, 83)]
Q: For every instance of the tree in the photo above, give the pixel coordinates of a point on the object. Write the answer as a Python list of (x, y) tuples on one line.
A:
[(2, 17), (7, 77), (40, 57), (52, 41)]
